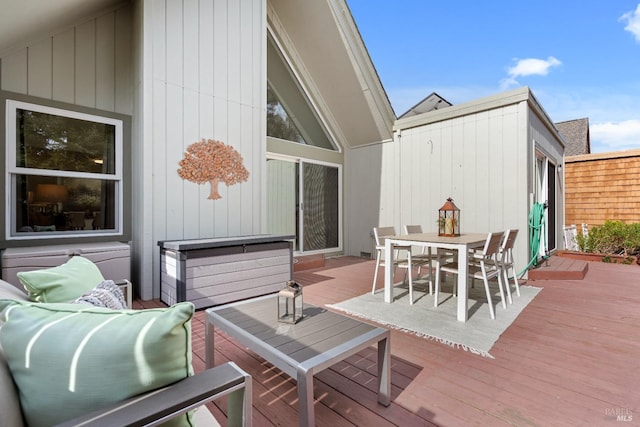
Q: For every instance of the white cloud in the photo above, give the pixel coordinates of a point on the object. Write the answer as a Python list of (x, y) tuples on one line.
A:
[(632, 19), (617, 135), (528, 67)]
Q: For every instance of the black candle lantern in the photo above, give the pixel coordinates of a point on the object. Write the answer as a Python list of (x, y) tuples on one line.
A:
[(449, 219), (290, 303)]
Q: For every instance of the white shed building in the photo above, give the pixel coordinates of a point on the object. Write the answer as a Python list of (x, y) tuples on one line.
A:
[(495, 157)]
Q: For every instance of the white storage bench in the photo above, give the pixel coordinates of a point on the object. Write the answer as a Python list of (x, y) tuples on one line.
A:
[(209, 272)]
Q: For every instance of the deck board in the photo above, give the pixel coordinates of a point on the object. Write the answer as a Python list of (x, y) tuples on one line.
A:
[(570, 358)]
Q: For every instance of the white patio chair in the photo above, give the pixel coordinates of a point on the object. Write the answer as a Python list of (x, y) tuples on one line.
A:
[(425, 257), (380, 234), (483, 265), (505, 260)]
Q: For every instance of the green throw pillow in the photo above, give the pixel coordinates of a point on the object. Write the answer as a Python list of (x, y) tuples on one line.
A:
[(63, 283), (68, 359)]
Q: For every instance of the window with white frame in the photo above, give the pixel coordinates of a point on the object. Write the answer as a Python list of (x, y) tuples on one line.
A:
[(64, 173)]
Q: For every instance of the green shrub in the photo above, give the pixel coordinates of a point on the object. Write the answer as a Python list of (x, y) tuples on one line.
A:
[(613, 237)]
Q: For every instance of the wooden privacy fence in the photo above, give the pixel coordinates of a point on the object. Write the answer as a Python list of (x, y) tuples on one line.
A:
[(600, 187)]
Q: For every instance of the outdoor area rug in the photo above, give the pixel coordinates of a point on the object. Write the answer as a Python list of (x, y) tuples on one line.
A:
[(477, 335)]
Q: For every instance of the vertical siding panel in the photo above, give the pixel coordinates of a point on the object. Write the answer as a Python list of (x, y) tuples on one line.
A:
[(231, 195), (165, 192), (221, 111), (477, 171), (39, 71), (248, 61), (86, 64), (105, 62), (389, 182), (14, 72), (405, 179), (192, 193), (455, 163), (494, 171), (159, 40), (175, 187), (123, 64), (509, 172), (191, 46), (259, 102), (243, 189), (437, 137), (220, 50), (64, 66), (206, 218), (467, 171), (220, 71), (446, 190), (362, 178), (190, 114), (174, 43), (206, 48), (158, 129), (234, 54)]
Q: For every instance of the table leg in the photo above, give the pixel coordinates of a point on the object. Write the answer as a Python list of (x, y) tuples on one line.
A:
[(463, 271), (306, 411), (209, 348), (384, 370), (388, 271)]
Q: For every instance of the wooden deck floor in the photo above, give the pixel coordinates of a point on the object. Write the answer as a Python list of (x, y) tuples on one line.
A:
[(572, 358)]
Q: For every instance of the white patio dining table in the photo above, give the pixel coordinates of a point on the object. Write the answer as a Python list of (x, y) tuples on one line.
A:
[(461, 243)]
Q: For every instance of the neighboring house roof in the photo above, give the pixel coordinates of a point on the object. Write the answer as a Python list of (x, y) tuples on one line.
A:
[(576, 136), (513, 96), (430, 103)]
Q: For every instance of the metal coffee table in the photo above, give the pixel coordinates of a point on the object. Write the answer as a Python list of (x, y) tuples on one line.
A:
[(321, 339)]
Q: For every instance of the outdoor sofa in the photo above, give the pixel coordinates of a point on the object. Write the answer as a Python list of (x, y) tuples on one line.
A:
[(38, 367)]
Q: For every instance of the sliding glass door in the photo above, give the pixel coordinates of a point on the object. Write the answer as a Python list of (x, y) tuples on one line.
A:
[(304, 198)]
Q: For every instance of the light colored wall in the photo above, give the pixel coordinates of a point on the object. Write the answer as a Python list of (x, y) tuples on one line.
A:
[(480, 159), (202, 75), (184, 71), (362, 196), (86, 64)]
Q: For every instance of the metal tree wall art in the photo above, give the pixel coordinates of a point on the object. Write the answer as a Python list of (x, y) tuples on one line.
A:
[(214, 162)]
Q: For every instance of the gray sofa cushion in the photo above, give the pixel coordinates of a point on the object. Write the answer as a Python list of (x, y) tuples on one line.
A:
[(9, 403)]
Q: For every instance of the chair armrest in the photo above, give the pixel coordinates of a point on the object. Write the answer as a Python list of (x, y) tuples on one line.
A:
[(163, 404), (127, 289)]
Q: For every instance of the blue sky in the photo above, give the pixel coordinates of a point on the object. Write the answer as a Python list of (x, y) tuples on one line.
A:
[(580, 58)]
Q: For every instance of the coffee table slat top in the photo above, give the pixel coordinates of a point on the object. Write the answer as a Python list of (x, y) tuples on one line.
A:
[(319, 331)]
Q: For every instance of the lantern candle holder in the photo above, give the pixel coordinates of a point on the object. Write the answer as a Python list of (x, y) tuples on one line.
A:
[(449, 219), (290, 303)]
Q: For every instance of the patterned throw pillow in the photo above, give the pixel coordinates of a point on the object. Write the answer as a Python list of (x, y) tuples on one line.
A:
[(63, 283), (107, 294), (70, 359)]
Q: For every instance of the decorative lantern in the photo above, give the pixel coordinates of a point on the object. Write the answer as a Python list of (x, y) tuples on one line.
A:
[(449, 219), (290, 303)]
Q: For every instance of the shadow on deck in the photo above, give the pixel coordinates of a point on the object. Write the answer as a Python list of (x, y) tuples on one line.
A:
[(570, 358)]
